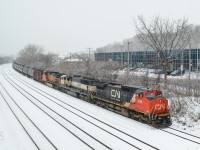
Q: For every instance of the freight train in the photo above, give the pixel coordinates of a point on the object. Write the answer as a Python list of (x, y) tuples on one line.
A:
[(139, 103)]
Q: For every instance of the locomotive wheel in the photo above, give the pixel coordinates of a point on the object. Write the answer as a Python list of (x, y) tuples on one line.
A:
[(140, 118), (149, 121), (153, 124), (134, 116)]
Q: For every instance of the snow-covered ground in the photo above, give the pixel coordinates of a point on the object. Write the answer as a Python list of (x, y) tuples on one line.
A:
[(14, 137), (190, 120)]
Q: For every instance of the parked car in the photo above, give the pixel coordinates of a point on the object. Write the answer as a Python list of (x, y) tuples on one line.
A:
[(161, 71), (169, 72), (178, 72), (134, 69)]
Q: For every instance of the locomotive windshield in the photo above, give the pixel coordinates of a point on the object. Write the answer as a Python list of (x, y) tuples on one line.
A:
[(153, 94)]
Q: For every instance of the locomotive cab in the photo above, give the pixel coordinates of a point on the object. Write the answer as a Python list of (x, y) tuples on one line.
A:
[(63, 80), (157, 103), (152, 106), (150, 101)]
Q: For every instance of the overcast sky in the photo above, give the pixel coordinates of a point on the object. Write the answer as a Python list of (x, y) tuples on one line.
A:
[(64, 26)]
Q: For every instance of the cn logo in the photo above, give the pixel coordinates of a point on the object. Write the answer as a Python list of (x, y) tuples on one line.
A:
[(159, 106), (115, 94)]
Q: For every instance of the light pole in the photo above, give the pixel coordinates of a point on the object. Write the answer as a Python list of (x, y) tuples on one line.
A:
[(122, 56), (128, 60), (197, 60), (190, 61), (146, 58), (182, 63)]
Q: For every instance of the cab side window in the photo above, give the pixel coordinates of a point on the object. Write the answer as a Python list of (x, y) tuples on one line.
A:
[(140, 95)]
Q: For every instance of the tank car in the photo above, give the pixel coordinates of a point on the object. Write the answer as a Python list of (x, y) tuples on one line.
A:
[(30, 72), (25, 70)]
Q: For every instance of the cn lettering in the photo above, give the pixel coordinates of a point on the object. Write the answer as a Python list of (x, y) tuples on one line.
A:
[(159, 106), (115, 94)]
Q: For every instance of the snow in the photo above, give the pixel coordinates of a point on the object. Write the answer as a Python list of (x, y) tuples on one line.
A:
[(12, 135), (190, 120)]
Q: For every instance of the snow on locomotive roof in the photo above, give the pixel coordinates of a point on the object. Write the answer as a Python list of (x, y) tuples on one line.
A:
[(138, 89), (63, 76)]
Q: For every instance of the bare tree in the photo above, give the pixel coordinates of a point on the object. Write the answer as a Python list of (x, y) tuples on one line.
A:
[(107, 70), (30, 55), (5, 59), (34, 55), (49, 60), (195, 39), (84, 64), (167, 37), (81, 64)]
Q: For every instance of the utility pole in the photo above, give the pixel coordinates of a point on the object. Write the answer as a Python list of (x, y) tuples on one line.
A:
[(88, 66), (89, 50)]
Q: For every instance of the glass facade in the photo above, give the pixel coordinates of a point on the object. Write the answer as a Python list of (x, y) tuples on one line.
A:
[(150, 59)]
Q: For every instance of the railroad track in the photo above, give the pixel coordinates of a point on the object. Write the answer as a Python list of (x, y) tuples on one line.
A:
[(148, 146), (38, 146), (88, 145), (183, 135), (184, 132)]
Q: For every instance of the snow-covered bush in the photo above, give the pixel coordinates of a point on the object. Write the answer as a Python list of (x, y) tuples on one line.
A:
[(185, 110)]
